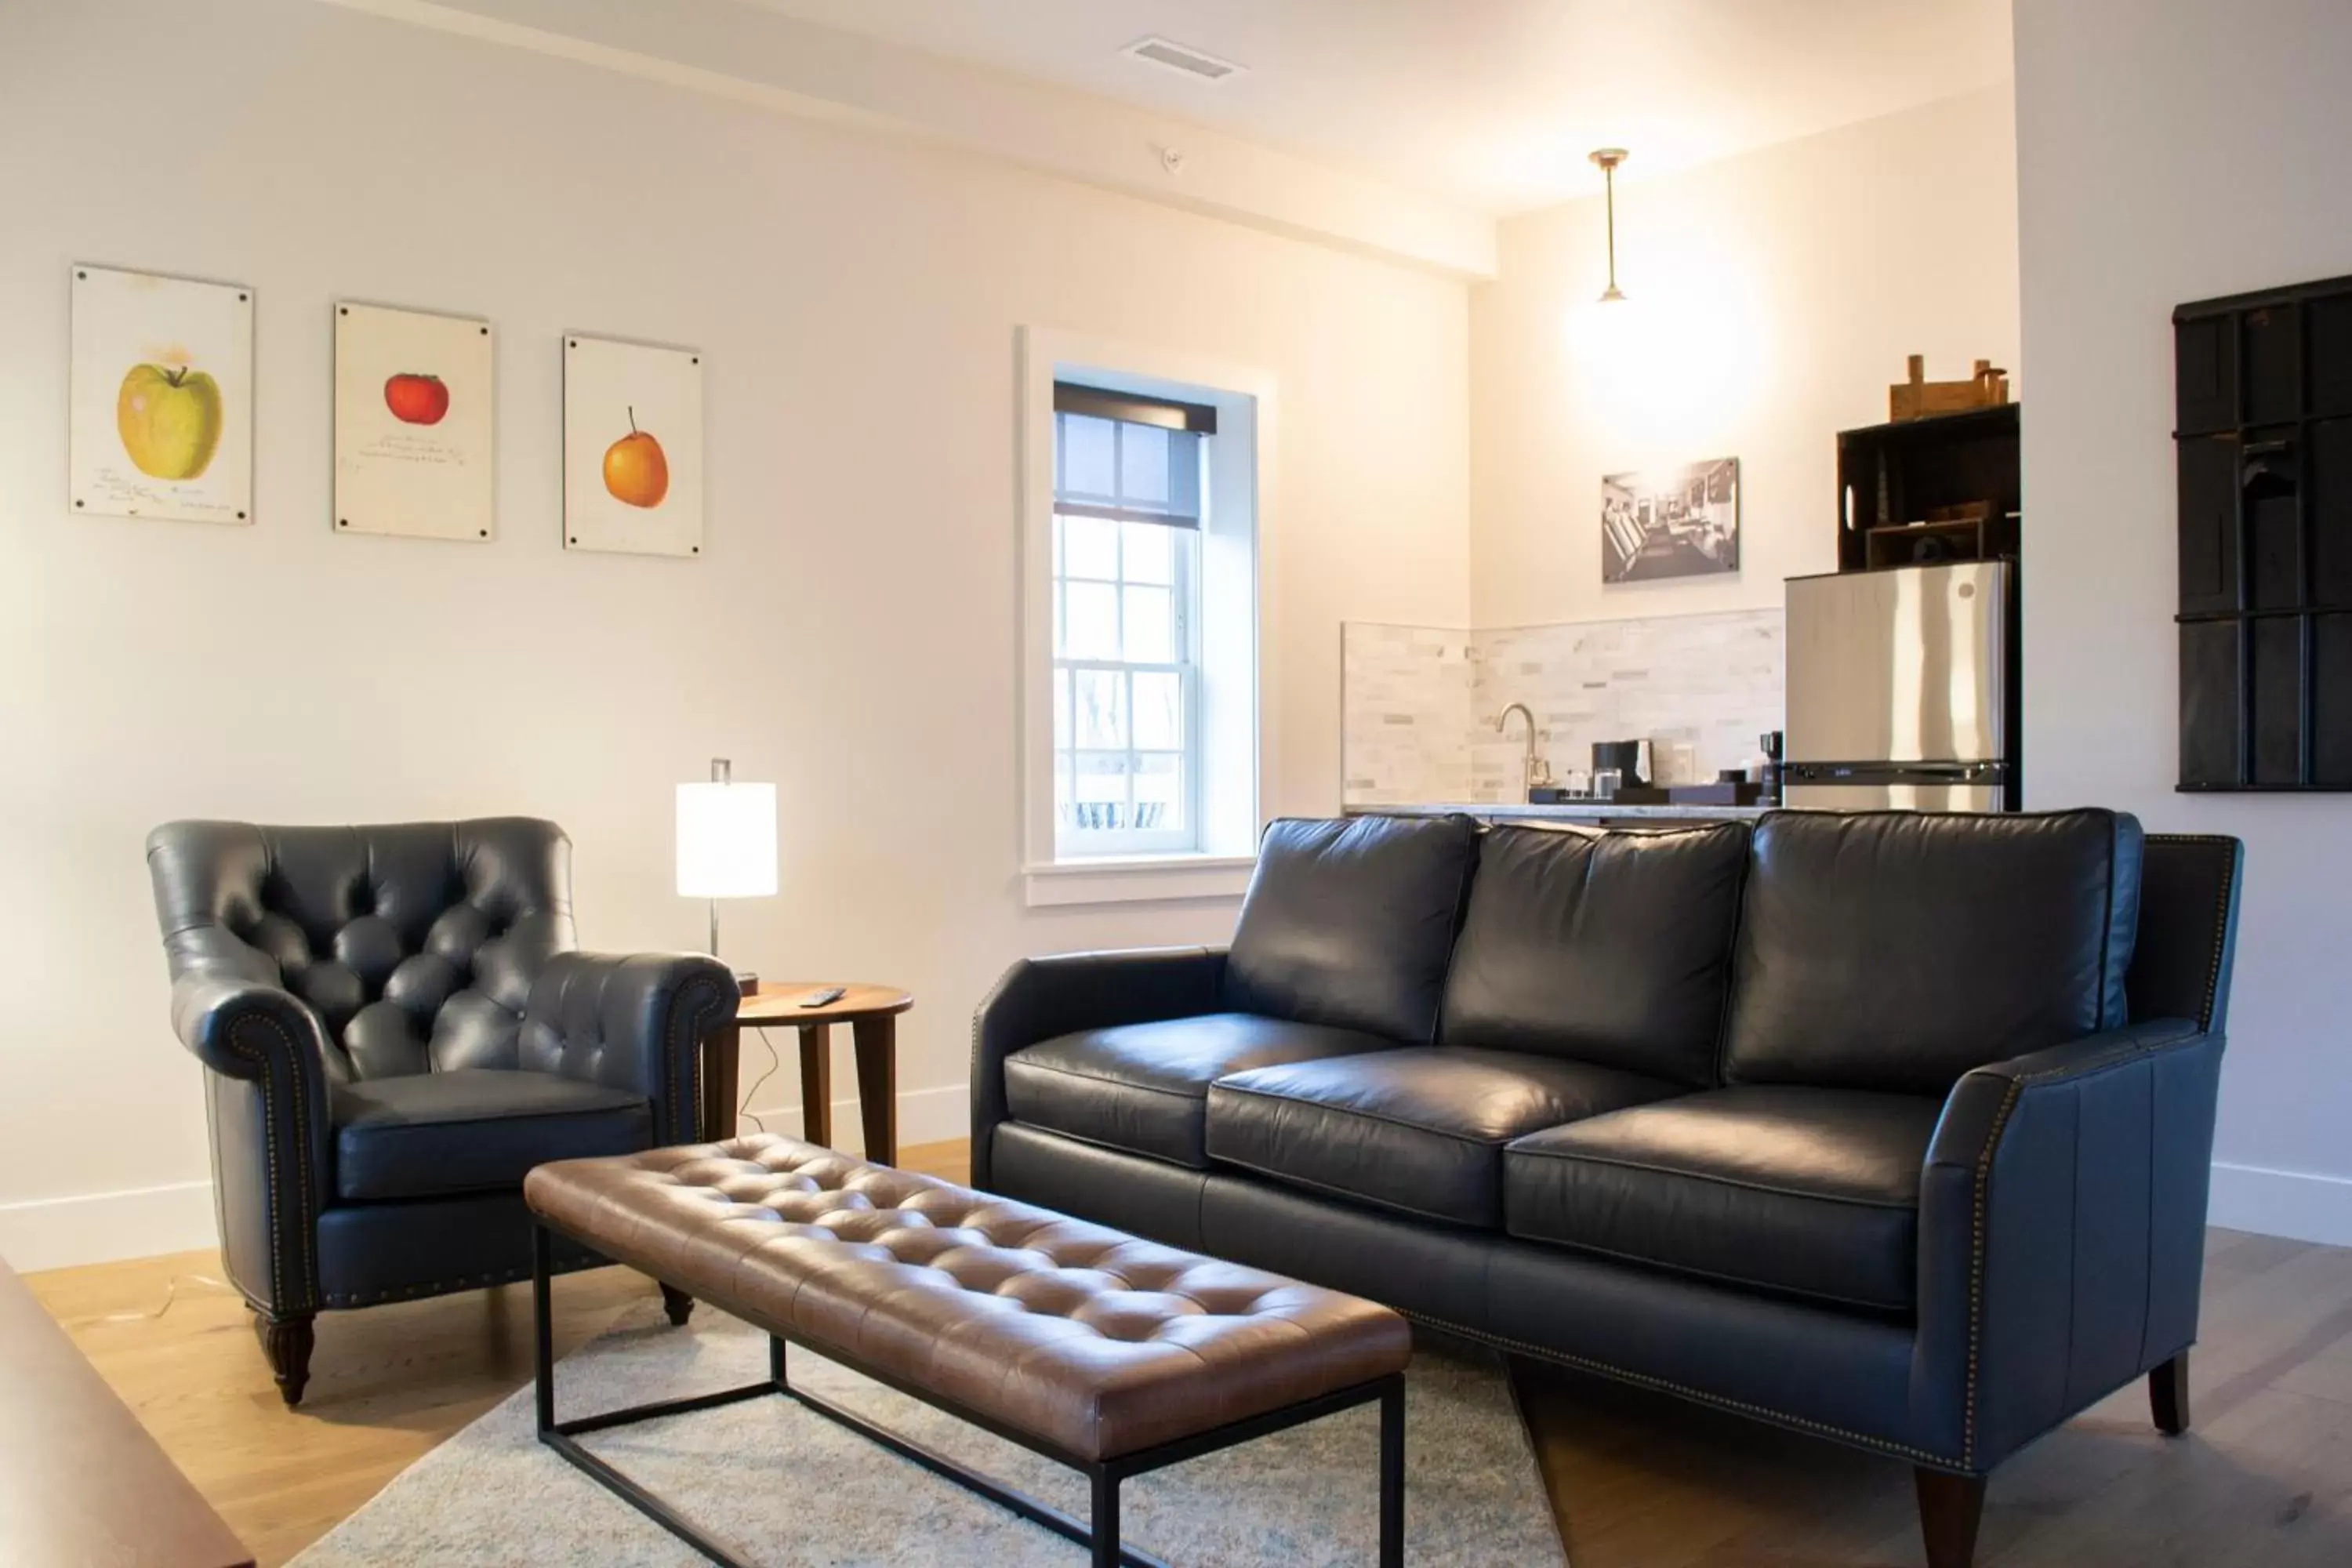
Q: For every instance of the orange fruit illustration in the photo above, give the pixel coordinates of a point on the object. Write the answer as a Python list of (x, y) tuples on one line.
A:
[(635, 472)]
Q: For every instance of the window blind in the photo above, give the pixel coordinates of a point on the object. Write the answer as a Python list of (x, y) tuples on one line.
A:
[(1128, 459)]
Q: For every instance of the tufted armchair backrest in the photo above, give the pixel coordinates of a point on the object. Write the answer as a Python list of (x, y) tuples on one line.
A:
[(416, 944)]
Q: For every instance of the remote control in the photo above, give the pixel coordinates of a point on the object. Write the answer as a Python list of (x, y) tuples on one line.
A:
[(831, 994)]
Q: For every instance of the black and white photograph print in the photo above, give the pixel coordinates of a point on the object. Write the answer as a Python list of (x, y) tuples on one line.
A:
[(1677, 523)]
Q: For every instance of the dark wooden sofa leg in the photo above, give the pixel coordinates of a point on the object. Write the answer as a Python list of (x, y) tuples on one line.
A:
[(1949, 1508), (286, 1343), (2168, 1395), (677, 1304)]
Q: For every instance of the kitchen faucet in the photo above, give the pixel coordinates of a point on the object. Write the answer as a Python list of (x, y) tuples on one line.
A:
[(1528, 776)]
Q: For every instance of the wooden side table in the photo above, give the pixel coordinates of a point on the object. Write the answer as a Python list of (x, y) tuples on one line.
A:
[(872, 1014)]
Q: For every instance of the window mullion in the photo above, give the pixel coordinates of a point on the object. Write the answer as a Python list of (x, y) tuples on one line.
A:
[(1134, 807), (1181, 553), (1142, 664), (1119, 567), (1191, 567)]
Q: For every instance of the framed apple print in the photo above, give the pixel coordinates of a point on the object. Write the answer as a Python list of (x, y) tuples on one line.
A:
[(160, 405), (632, 446), (415, 407)]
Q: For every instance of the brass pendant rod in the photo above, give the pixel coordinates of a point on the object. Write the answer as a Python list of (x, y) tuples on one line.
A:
[(1609, 158), (1609, 183)]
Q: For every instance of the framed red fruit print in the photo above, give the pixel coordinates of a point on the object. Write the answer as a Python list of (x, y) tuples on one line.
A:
[(632, 446), (415, 425), (160, 408)]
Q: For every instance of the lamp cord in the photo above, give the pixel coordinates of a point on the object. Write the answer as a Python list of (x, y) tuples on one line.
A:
[(171, 1294), (743, 1111)]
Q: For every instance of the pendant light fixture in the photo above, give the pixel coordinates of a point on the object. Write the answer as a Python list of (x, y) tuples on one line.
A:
[(1609, 158)]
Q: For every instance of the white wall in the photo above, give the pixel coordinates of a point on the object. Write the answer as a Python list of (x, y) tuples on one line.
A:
[(2169, 150), (758, 54), (849, 631), (1770, 299)]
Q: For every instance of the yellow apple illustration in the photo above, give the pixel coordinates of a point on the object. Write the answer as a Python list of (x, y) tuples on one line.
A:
[(169, 420)]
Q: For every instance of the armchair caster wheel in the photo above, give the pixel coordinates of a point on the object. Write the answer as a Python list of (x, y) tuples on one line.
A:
[(677, 1304), (286, 1343)]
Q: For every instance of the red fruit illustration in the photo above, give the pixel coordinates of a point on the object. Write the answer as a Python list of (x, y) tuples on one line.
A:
[(416, 399)]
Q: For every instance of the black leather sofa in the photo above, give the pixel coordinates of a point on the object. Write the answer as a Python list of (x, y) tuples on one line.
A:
[(395, 1028), (1889, 1127)]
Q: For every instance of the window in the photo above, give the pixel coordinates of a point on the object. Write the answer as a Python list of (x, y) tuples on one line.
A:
[(1139, 523), (1128, 483)]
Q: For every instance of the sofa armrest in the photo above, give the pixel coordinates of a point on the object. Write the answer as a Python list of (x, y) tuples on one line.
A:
[(241, 1028), (270, 1066), (2062, 1231), (631, 1021), (1039, 999)]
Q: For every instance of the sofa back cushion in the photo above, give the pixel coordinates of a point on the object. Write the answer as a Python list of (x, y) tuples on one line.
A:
[(1896, 950), (1613, 948), (1349, 922)]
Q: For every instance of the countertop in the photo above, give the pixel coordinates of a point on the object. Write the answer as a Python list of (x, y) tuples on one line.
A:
[(1569, 811)]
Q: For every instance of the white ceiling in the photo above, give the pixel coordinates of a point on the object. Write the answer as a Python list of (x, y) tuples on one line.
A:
[(1489, 103)]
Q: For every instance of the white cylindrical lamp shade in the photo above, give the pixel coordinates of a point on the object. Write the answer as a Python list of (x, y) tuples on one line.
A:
[(726, 840)]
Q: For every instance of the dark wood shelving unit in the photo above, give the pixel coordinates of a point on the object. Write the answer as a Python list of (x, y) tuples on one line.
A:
[(2263, 435), (1916, 491)]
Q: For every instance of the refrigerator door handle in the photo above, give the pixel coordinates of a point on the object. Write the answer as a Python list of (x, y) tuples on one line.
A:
[(1939, 772), (1876, 774)]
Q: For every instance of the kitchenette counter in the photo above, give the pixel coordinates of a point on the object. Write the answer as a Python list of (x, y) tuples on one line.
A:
[(1569, 811)]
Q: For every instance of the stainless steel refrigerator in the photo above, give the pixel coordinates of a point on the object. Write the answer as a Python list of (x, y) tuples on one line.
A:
[(1901, 689)]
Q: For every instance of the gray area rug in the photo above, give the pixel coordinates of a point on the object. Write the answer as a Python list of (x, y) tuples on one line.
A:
[(785, 1486)]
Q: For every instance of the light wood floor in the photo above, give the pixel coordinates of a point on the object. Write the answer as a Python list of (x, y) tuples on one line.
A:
[(2263, 1480)]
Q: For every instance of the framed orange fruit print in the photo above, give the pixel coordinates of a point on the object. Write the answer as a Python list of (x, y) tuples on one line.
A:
[(160, 408), (632, 446)]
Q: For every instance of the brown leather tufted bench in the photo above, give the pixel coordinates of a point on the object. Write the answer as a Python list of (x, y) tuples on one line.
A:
[(1113, 1355)]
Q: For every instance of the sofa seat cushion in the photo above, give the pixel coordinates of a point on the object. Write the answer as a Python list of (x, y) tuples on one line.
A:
[(1140, 1088), (473, 1129), (1418, 1130), (1810, 1191)]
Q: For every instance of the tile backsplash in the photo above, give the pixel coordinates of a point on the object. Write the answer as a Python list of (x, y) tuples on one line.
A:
[(1420, 703), (1407, 693)]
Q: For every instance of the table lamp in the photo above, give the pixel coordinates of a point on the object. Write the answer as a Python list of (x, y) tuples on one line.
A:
[(726, 842)]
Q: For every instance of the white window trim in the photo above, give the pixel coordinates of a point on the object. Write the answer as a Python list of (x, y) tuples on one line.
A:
[(1136, 879), (1240, 474)]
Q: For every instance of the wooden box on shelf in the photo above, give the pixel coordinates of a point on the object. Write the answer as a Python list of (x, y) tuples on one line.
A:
[(1945, 533), (1919, 398)]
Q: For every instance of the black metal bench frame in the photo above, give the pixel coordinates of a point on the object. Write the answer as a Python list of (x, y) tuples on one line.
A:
[(1105, 1475)]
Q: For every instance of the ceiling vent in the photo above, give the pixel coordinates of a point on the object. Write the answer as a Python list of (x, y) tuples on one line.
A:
[(1181, 57)]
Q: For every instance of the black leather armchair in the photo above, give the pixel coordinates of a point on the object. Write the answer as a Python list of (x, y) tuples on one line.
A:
[(395, 1026)]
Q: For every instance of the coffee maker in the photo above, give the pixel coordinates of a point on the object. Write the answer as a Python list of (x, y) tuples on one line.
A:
[(1629, 758)]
